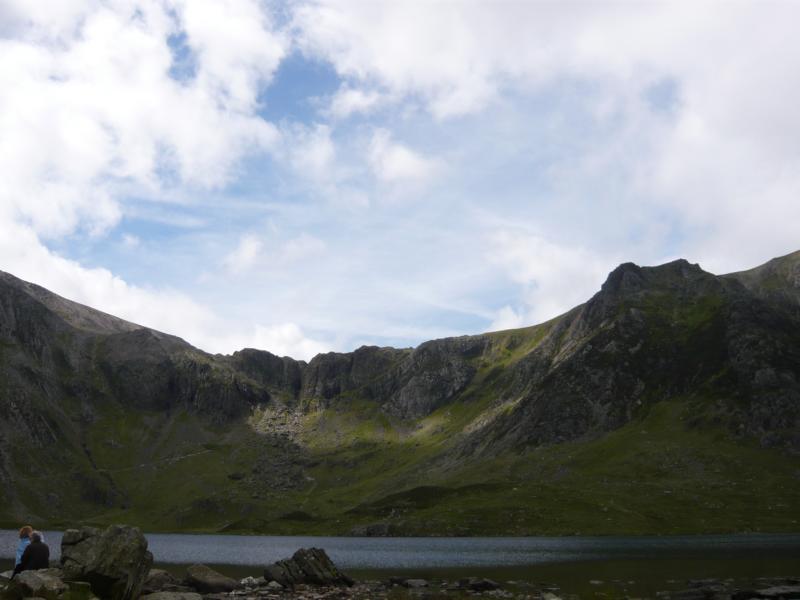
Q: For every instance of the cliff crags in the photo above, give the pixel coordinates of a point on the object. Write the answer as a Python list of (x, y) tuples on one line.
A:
[(535, 430)]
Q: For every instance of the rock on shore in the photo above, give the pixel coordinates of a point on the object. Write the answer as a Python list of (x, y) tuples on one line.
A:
[(308, 565), (115, 562)]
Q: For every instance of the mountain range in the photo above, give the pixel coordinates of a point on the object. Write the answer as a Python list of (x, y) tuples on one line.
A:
[(669, 402)]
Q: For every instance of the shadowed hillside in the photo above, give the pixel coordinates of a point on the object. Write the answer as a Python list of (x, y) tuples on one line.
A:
[(668, 402)]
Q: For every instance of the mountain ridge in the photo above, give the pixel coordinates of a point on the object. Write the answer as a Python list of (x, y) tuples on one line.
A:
[(108, 407)]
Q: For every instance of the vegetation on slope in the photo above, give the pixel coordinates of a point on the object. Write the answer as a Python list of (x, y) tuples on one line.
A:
[(668, 403)]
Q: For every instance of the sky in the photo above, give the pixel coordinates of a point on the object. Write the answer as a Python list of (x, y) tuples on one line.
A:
[(309, 176)]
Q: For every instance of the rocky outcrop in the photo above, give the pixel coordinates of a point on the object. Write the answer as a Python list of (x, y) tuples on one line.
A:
[(651, 334), (282, 376), (332, 374), (307, 566), (114, 561)]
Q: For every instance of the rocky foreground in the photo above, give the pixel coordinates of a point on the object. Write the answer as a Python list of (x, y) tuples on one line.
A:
[(115, 564)]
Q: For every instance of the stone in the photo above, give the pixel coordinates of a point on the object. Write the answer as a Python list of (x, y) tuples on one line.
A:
[(44, 583), (274, 585), (787, 592), (307, 566), (157, 580), (172, 596), (208, 581), (414, 583), (114, 561), (478, 584)]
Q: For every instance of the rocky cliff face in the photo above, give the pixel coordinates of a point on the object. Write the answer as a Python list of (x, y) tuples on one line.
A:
[(777, 282), (649, 333), (729, 344), (652, 334)]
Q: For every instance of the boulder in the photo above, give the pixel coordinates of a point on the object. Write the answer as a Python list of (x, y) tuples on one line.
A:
[(157, 580), (307, 566), (479, 584), (207, 581), (114, 561), (44, 583)]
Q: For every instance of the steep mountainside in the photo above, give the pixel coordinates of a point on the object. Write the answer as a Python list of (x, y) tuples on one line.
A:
[(670, 395)]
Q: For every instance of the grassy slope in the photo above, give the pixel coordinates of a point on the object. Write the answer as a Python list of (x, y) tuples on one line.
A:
[(658, 474)]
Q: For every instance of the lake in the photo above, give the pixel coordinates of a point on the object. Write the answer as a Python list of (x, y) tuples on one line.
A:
[(570, 562)]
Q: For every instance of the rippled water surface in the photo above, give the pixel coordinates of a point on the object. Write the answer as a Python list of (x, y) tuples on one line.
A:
[(427, 553)]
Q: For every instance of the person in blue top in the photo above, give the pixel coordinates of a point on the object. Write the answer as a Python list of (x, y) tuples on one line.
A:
[(24, 540)]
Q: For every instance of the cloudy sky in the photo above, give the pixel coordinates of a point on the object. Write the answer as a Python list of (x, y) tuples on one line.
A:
[(316, 175)]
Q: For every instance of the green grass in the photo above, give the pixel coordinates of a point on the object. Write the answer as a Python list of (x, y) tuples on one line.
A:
[(656, 475)]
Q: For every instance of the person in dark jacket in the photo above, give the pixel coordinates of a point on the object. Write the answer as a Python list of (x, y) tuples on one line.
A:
[(36, 555)]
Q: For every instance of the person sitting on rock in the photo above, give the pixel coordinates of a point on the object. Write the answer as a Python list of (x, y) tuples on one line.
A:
[(24, 540), (35, 556)]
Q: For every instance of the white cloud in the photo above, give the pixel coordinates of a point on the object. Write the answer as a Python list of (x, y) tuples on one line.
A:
[(555, 277), (165, 310), (394, 162), (301, 247), (237, 48), (311, 151), (723, 161), (284, 340), (347, 101), (245, 255), (546, 113), (130, 241), (93, 108), (89, 103), (437, 55), (508, 318), (252, 252)]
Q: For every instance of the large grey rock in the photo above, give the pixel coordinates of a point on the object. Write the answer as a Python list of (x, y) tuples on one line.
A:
[(157, 580), (44, 583), (208, 581), (115, 561), (307, 566)]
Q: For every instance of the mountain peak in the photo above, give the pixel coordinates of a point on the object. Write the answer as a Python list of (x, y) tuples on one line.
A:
[(630, 277), (77, 315)]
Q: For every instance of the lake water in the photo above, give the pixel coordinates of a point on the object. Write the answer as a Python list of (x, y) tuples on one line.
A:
[(570, 562), (410, 553)]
